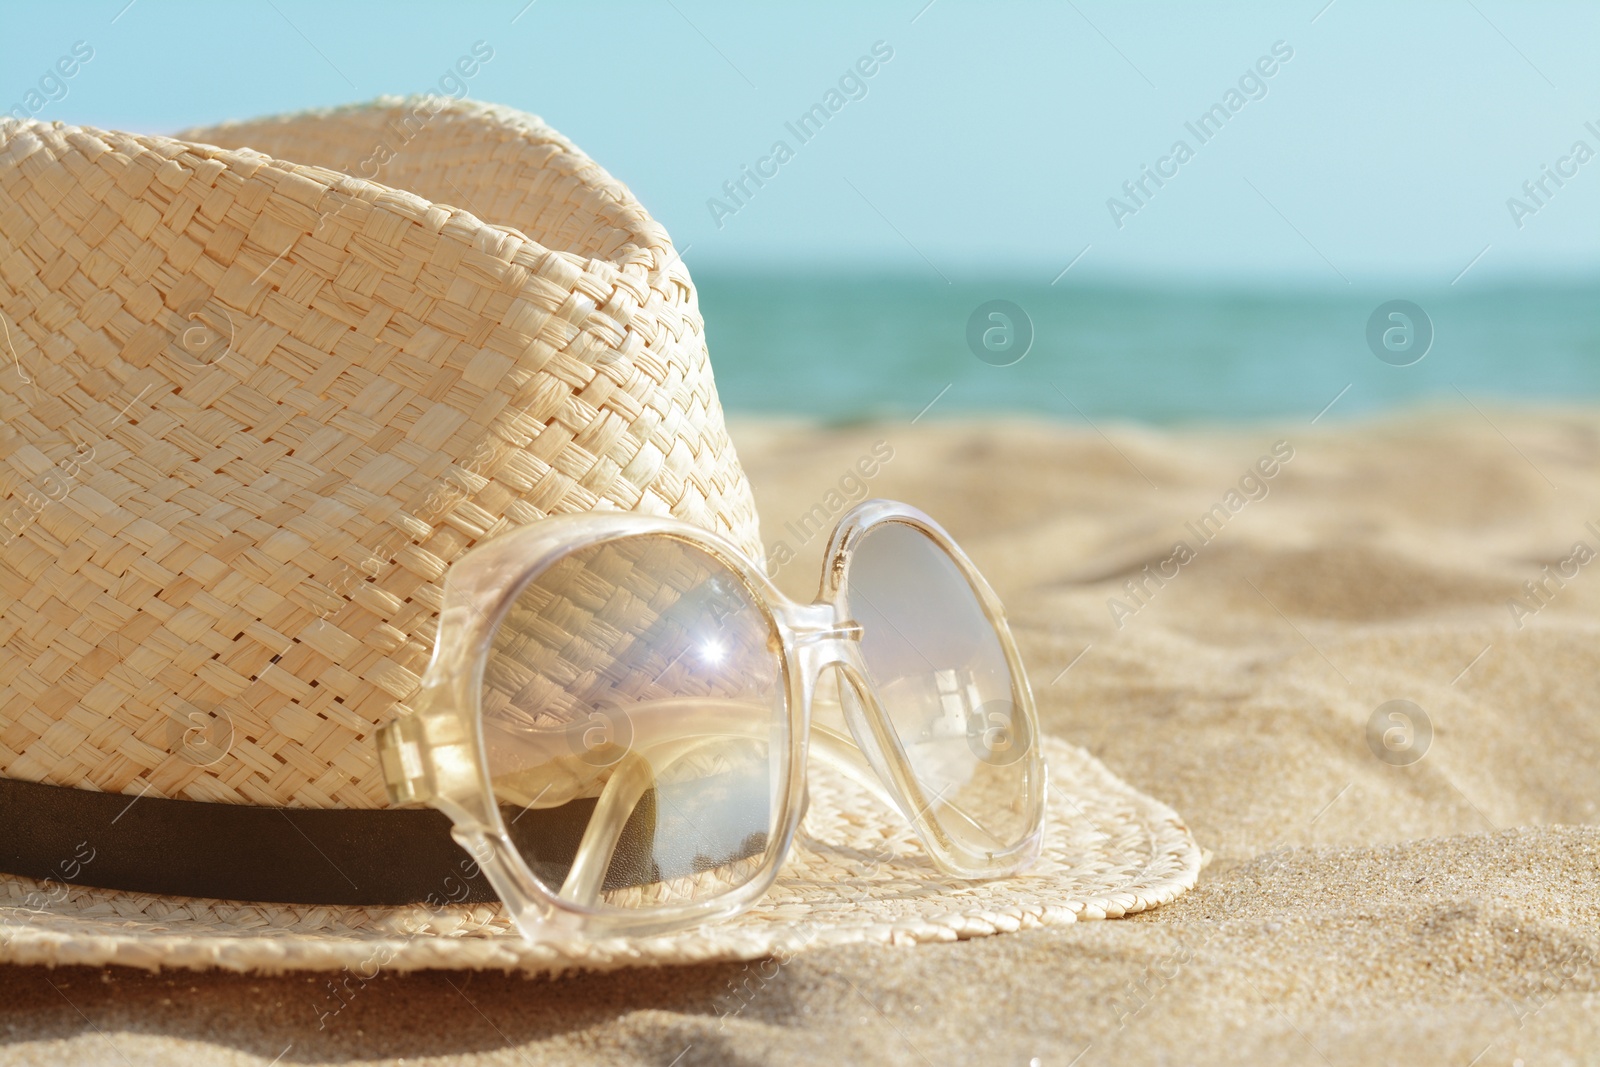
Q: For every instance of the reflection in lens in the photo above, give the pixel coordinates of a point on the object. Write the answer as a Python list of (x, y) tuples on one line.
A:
[(634, 721), (940, 672)]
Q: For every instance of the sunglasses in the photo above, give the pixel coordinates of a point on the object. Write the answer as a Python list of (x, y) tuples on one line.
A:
[(619, 711)]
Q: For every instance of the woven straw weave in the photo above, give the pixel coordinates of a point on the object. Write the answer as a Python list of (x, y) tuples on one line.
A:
[(615, 624), (251, 408), (857, 874)]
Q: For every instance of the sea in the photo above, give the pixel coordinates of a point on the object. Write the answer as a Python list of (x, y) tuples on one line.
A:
[(841, 348)]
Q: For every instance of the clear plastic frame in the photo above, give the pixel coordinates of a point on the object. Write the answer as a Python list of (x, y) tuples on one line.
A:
[(600, 617)]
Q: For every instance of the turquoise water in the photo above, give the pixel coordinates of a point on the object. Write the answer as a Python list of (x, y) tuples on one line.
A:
[(843, 348)]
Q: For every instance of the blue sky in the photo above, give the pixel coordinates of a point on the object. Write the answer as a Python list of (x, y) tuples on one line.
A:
[(1387, 146)]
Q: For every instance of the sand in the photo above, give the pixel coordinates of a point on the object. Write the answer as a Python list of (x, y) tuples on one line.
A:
[(1356, 909)]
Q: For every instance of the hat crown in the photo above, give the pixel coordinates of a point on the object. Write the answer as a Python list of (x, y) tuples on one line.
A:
[(251, 409)]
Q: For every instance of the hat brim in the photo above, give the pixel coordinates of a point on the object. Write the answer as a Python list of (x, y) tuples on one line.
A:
[(856, 875)]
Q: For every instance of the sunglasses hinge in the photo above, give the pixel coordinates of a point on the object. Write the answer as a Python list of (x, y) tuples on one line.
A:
[(405, 777)]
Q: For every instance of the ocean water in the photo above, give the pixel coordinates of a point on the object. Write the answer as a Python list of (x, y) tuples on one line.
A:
[(842, 348)]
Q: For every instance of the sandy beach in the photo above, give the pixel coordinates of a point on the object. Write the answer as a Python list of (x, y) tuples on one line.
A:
[(1223, 618)]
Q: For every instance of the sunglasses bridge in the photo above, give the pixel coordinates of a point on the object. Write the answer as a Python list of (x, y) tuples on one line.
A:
[(846, 630)]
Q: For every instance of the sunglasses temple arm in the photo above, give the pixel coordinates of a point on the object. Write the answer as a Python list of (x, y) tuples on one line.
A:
[(633, 777), (840, 752), (628, 783)]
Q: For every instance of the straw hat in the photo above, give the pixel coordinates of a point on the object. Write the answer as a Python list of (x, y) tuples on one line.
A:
[(253, 401)]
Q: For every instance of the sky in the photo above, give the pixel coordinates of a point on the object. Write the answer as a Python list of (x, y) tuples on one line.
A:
[(1387, 141)]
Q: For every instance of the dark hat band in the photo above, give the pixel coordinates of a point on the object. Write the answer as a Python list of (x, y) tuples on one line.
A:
[(346, 856)]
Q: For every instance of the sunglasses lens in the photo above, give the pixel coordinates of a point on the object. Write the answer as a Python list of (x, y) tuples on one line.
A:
[(936, 661), (635, 723)]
